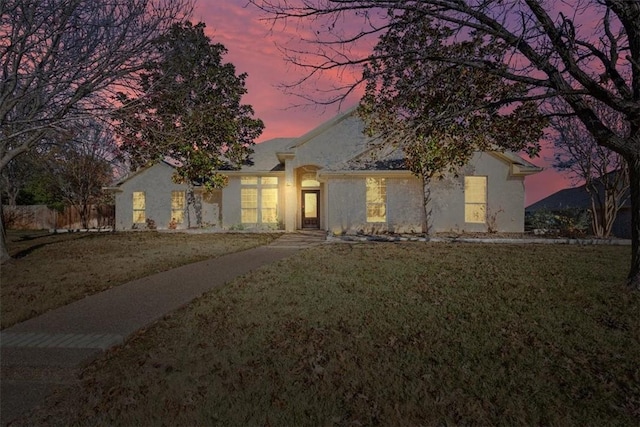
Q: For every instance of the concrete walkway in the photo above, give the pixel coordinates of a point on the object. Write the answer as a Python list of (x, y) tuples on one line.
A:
[(50, 350)]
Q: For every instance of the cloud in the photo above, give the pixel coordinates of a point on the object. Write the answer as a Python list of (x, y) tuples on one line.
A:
[(253, 43)]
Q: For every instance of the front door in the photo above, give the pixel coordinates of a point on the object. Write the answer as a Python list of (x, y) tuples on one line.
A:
[(310, 208)]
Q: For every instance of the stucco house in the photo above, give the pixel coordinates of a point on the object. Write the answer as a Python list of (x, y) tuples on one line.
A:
[(326, 180)]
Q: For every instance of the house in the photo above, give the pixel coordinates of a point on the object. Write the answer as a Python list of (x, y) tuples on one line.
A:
[(150, 199), (325, 180), (579, 199)]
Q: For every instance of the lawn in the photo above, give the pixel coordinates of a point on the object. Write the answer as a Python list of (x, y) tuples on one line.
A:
[(384, 334), (51, 270)]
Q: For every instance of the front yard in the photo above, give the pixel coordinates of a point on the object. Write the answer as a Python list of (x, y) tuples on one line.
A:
[(51, 270), (387, 334)]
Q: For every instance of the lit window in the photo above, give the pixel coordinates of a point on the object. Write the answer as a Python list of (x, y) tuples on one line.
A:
[(475, 199), (139, 216), (376, 200), (178, 203), (309, 181), (269, 205), (269, 180), (259, 200), (249, 205), (249, 180)]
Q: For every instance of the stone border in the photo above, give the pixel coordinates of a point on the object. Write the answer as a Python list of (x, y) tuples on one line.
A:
[(557, 241)]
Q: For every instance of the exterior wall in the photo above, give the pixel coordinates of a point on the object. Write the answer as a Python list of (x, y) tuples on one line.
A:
[(505, 197), (336, 144), (231, 205), (346, 199), (157, 185)]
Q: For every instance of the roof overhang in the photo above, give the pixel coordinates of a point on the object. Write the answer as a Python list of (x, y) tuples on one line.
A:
[(518, 165), (361, 173), (285, 155)]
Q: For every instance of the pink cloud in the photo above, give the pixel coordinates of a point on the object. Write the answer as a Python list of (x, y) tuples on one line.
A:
[(252, 45)]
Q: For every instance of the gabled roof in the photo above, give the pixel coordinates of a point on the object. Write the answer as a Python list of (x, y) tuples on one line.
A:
[(570, 198), (265, 155), (323, 128), (172, 163)]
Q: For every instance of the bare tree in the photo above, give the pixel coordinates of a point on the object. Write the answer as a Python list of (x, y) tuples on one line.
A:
[(78, 168), (61, 60), (553, 49), (603, 172)]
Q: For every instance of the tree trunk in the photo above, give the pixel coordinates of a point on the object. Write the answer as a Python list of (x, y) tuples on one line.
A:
[(634, 187), (196, 202), (4, 252), (84, 215), (426, 189)]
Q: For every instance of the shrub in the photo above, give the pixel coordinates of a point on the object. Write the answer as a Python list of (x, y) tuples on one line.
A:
[(567, 222)]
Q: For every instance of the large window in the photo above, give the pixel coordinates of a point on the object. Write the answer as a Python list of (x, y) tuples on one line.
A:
[(376, 200), (178, 203), (475, 199), (259, 200), (139, 204)]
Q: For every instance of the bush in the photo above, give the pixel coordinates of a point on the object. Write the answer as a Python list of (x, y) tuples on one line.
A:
[(567, 222)]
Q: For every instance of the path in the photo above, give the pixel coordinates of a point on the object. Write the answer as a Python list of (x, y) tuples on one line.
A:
[(49, 350)]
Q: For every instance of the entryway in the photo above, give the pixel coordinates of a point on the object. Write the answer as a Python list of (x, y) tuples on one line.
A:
[(311, 209)]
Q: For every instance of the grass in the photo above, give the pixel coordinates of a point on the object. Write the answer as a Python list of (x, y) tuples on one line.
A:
[(385, 334), (51, 270)]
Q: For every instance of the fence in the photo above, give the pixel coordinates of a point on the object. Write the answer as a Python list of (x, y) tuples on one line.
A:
[(38, 217)]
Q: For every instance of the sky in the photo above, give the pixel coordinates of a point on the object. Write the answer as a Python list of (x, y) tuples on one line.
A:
[(252, 45)]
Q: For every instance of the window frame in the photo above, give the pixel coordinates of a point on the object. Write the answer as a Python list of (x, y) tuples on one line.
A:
[(136, 209), (178, 210), (374, 203), (471, 205), (263, 186)]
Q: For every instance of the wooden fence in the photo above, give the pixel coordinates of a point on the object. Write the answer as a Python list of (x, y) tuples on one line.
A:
[(39, 217)]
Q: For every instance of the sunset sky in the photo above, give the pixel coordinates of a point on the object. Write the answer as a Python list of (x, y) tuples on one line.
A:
[(252, 46)]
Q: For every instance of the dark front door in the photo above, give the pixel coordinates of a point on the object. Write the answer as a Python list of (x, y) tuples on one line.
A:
[(310, 208)]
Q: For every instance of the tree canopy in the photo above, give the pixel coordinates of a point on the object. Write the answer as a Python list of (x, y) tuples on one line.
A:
[(190, 110), (578, 51)]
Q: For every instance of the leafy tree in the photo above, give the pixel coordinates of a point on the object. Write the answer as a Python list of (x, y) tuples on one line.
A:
[(604, 172), (19, 174), (439, 114), (545, 48), (191, 111), (60, 60)]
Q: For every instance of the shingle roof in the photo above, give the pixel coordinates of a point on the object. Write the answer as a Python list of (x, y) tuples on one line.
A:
[(569, 198)]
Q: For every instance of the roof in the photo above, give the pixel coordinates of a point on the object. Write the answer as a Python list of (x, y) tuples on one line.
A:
[(265, 155), (166, 161), (334, 136), (570, 198)]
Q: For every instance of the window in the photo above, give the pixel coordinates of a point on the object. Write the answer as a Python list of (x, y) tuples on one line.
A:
[(309, 181), (475, 199), (259, 200), (376, 200), (269, 205), (139, 216), (177, 206), (249, 205)]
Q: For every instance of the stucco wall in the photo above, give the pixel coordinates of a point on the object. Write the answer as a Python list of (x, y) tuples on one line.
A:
[(346, 198), (157, 185), (505, 197), (335, 145)]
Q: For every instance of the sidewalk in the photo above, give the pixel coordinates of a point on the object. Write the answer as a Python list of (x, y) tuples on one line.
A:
[(51, 349)]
